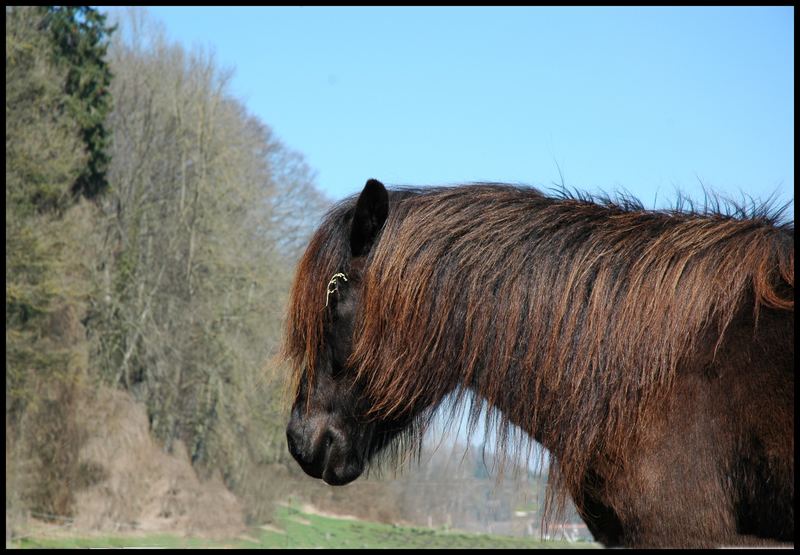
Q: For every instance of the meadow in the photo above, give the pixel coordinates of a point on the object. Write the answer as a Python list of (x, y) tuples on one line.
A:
[(297, 528)]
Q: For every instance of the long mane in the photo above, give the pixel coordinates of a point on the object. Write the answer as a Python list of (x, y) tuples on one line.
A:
[(571, 313), (327, 253)]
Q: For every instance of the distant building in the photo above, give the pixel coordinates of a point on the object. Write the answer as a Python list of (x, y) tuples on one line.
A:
[(570, 531)]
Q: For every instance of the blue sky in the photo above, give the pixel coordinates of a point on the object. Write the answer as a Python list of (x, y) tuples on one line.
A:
[(649, 100)]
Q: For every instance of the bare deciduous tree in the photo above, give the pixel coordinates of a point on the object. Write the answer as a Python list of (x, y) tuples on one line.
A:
[(202, 228)]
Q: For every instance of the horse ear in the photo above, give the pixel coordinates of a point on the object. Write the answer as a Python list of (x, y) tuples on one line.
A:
[(371, 211)]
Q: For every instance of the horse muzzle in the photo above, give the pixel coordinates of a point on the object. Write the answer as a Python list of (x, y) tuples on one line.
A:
[(323, 452)]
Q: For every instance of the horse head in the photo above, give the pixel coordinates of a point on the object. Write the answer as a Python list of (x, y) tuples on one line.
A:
[(330, 433)]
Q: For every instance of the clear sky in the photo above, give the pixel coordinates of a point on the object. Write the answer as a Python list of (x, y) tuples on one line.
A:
[(649, 100)]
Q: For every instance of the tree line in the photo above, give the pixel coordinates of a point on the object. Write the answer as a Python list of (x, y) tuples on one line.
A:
[(152, 227)]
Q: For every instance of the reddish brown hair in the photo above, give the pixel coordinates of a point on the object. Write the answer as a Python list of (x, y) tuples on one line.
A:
[(571, 313), (327, 253)]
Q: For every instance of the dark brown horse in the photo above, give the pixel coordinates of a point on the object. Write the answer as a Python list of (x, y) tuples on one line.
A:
[(651, 352)]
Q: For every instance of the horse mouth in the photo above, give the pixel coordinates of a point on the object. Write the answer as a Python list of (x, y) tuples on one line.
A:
[(333, 474), (330, 462), (340, 475), (333, 479)]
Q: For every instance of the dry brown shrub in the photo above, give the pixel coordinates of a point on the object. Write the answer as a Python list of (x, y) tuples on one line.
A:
[(134, 485)]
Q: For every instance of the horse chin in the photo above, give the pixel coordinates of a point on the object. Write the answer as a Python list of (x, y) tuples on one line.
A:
[(334, 476)]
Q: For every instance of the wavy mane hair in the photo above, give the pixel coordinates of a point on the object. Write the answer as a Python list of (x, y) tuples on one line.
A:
[(573, 314)]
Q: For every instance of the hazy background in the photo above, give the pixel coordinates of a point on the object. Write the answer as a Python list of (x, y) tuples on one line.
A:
[(652, 100)]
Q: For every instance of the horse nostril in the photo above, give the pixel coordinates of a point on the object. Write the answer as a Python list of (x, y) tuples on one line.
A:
[(327, 440), (309, 453)]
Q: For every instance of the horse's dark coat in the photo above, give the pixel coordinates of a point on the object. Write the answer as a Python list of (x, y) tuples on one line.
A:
[(651, 352)]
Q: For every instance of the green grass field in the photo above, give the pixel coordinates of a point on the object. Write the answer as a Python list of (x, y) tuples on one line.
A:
[(294, 528)]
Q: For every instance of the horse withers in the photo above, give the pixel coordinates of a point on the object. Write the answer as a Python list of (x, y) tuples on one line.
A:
[(651, 352)]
